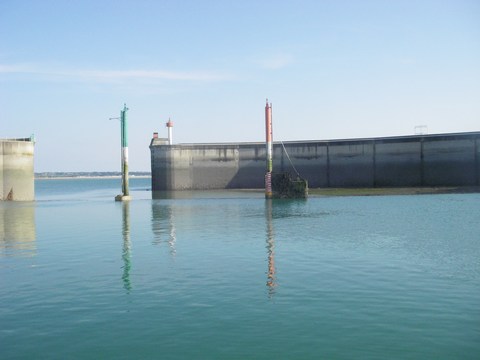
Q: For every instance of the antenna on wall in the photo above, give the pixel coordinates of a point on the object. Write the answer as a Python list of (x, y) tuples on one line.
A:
[(421, 130)]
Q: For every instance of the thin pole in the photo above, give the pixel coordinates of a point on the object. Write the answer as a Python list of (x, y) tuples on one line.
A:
[(123, 117), (269, 144)]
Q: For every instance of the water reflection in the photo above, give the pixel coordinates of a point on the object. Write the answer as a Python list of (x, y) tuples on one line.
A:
[(17, 229), (271, 278), (279, 209), (181, 194), (126, 252), (163, 225)]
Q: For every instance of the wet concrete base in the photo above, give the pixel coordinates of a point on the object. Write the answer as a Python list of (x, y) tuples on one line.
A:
[(123, 198)]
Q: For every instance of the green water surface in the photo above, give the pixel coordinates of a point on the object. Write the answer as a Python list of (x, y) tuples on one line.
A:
[(229, 275)]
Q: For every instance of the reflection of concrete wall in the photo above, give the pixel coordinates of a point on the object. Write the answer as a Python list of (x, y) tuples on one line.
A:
[(163, 225), (424, 160), (17, 228), (16, 170)]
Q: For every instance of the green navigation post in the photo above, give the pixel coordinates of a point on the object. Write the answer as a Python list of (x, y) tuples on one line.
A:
[(123, 125)]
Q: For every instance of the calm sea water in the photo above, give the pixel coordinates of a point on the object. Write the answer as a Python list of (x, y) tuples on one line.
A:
[(229, 275)]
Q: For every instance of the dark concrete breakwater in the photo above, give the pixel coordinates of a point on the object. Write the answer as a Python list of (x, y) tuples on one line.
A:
[(402, 161)]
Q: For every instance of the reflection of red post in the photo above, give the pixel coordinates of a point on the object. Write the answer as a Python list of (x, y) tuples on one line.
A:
[(271, 277), (268, 131)]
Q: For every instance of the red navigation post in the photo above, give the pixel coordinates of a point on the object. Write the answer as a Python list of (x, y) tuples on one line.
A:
[(269, 143), (169, 125)]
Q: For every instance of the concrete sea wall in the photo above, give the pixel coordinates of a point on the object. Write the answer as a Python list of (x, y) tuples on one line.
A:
[(16, 169), (423, 160)]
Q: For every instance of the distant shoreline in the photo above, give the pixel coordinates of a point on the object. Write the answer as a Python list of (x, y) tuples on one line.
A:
[(53, 177), (88, 177)]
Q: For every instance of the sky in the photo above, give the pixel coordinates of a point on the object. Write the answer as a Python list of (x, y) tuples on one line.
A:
[(334, 69)]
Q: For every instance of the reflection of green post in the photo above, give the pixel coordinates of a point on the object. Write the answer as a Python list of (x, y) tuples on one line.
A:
[(123, 124), (126, 246)]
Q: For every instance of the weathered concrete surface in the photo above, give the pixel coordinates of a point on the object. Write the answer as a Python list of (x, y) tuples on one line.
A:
[(424, 160), (351, 164), (450, 162), (311, 161), (16, 170), (398, 163)]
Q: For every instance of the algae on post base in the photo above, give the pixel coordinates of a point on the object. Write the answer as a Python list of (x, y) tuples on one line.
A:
[(284, 187)]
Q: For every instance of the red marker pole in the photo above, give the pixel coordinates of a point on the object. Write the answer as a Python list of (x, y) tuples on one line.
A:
[(269, 143), (169, 125)]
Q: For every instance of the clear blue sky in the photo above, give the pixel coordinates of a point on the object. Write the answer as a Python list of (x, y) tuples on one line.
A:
[(332, 69)]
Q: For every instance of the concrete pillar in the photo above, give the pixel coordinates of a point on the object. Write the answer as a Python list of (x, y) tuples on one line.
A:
[(17, 175)]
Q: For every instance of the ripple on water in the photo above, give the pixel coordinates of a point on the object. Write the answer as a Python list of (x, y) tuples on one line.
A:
[(238, 276)]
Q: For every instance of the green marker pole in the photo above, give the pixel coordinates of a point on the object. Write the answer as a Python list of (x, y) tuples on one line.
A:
[(123, 117)]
